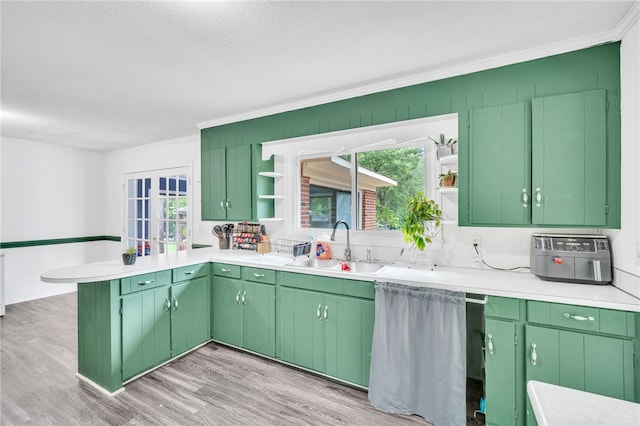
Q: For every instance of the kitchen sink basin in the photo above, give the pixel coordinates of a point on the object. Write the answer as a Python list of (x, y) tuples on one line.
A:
[(336, 265)]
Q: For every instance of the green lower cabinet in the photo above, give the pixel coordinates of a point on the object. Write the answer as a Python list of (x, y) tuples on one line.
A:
[(330, 334), (244, 315), (500, 370), (227, 312), (190, 301), (593, 363), (146, 339)]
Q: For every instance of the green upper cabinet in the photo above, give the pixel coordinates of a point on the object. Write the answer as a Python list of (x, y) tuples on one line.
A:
[(544, 164), (227, 183), (500, 167), (569, 179)]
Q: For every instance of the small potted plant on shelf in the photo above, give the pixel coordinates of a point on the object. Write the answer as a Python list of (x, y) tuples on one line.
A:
[(422, 222), (445, 146), (449, 179), (129, 256)]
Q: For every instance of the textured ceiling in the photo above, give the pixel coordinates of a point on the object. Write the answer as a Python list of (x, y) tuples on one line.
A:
[(110, 75)]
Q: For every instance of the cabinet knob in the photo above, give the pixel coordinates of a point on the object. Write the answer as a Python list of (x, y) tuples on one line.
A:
[(175, 304), (490, 343), (538, 197), (318, 314), (243, 299), (326, 314), (525, 198), (534, 354), (238, 298), (167, 304)]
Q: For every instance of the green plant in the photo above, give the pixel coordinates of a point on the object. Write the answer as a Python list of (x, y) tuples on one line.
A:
[(448, 179), (129, 250), (443, 141), (420, 210)]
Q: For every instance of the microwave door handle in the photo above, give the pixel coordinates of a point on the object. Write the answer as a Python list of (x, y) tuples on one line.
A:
[(597, 272)]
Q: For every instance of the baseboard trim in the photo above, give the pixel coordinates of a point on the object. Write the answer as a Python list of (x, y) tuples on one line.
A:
[(98, 387)]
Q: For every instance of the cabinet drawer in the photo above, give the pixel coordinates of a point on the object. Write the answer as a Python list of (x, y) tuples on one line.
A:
[(225, 270), (260, 275), (502, 307), (582, 318), (190, 272), (145, 281)]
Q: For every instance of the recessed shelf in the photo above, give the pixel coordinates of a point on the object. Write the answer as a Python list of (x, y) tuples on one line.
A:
[(448, 189), (448, 159), (271, 197), (270, 219), (271, 174)]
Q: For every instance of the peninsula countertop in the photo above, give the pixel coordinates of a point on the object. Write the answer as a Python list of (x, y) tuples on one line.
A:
[(520, 285)]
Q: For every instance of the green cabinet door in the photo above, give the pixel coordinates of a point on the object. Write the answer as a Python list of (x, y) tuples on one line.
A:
[(499, 166), (214, 184), (588, 362), (227, 312), (190, 317), (569, 176), (240, 192), (145, 330), (259, 318), (301, 330), (500, 370), (344, 350)]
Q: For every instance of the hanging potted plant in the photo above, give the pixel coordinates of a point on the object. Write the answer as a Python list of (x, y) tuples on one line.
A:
[(422, 222), (129, 256)]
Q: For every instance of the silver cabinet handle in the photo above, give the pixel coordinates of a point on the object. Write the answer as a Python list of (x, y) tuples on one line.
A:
[(490, 343), (167, 304), (228, 204), (577, 317), (258, 275), (175, 304), (244, 300), (318, 314), (597, 272), (222, 204), (189, 272), (145, 282), (538, 197), (534, 354), (226, 271), (326, 314), (525, 198), (238, 298)]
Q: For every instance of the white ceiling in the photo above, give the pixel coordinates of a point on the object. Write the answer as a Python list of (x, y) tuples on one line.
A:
[(110, 75)]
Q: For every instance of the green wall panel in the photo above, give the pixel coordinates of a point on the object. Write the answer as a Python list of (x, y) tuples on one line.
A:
[(588, 69)]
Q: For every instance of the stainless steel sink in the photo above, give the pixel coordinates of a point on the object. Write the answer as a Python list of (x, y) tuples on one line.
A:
[(337, 265)]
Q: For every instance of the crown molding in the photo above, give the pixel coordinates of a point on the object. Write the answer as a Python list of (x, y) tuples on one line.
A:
[(627, 21), (439, 74)]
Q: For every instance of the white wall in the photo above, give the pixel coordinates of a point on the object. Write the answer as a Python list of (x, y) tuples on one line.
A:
[(184, 152), (48, 193), (626, 241)]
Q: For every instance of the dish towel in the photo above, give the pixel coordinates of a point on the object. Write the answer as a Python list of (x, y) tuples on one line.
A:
[(418, 356)]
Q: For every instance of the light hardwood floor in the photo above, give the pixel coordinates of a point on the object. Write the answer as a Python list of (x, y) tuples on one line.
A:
[(214, 385)]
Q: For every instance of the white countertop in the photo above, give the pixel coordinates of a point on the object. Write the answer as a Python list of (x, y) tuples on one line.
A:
[(520, 285), (556, 405)]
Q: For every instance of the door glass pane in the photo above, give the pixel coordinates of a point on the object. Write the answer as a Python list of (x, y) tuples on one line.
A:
[(172, 214)]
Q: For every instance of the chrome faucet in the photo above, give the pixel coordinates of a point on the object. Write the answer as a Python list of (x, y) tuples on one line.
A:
[(347, 251)]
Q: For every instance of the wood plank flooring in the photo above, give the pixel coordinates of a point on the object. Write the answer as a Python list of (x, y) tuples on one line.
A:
[(214, 385)]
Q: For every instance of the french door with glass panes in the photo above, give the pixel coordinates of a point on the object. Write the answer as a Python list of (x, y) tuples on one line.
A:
[(157, 214)]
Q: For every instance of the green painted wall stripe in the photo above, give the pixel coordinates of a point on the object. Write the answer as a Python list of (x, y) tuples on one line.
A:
[(34, 243)]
